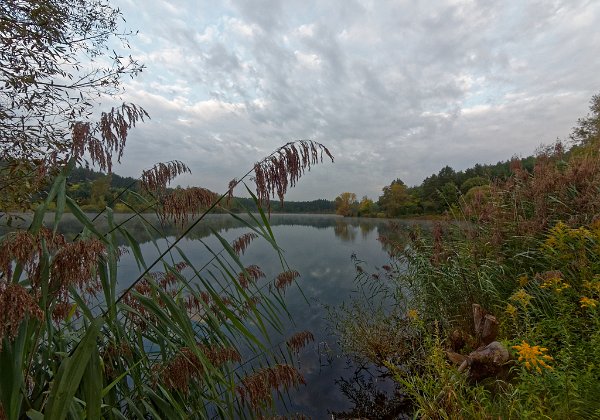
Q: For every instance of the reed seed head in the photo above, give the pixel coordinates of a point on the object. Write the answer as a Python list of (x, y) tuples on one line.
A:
[(250, 275), (185, 203), (16, 304), (299, 340), (286, 278), (240, 244), (256, 388), (280, 171), (157, 178)]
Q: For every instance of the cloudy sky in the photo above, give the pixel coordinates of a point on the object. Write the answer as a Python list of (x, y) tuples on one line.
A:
[(395, 89)]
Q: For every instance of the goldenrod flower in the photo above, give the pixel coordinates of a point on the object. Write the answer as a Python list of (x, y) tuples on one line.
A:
[(523, 280), (412, 314), (553, 280), (522, 297), (533, 356), (511, 310), (594, 285), (587, 302)]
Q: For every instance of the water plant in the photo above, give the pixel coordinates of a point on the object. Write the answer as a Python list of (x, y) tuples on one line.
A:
[(182, 340)]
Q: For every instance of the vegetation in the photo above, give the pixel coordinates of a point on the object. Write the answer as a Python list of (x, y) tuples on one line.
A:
[(175, 343), (94, 190), (527, 249), (184, 339), (437, 194)]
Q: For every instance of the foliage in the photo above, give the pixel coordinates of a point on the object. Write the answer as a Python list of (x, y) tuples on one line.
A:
[(57, 60), (527, 248), (367, 208), (181, 341), (346, 204), (443, 191), (45, 84)]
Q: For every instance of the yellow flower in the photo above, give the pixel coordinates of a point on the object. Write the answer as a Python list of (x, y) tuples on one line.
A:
[(587, 302), (523, 280), (594, 285), (533, 356), (511, 310), (553, 280), (522, 297), (412, 314)]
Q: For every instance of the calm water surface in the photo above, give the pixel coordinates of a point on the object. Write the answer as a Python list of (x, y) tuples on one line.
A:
[(320, 248)]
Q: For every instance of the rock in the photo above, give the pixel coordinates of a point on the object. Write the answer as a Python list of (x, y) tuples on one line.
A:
[(456, 358), (486, 361)]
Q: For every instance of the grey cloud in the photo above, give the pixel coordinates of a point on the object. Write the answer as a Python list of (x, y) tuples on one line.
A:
[(395, 89)]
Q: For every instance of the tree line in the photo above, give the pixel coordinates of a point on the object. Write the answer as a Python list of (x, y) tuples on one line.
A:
[(94, 190), (437, 193)]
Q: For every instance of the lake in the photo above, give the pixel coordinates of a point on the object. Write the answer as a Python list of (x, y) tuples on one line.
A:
[(320, 248)]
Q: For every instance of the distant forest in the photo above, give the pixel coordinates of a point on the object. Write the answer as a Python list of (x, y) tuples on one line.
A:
[(95, 190), (437, 194)]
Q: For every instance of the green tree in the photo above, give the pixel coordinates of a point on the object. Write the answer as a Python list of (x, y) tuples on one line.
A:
[(366, 207), (100, 191), (475, 181), (397, 200), (346, 204), (587, 130)]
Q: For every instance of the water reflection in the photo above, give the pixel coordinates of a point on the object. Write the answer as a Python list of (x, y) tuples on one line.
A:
[(320, 248)]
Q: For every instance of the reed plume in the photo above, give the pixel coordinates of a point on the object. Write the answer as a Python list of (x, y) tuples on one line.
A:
[(284, 279), (250, 275), (157, 178), (276, 173), (185, 203), (186, 366), (75, 265), (256, 388), (107, 137), (299, 340), (240, 244), (23, 247), (16, 304)]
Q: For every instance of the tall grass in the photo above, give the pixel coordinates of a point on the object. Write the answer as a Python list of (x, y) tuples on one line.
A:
[(174, 343), (528, 250)]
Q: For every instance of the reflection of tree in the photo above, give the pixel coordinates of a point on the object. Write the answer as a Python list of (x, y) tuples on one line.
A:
[(345, 231), (366, 228), (148, 228), (364, 391)]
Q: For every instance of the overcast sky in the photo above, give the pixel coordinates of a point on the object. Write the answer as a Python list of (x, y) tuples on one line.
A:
[(395, 89)]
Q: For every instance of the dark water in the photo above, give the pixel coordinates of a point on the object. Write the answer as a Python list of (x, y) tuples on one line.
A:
[(320, 248)]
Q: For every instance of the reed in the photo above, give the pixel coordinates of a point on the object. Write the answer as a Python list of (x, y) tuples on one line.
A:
[(73, 346)]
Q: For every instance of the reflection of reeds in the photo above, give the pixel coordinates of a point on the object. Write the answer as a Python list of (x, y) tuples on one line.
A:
[(256, 388)]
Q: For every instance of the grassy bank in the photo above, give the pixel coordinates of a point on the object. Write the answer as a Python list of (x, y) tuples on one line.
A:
[(529, 255)]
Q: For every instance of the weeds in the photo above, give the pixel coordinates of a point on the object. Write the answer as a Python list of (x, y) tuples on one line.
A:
[(528, 250), (168, 346)]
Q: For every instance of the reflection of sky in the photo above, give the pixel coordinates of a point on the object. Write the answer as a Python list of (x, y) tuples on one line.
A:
[(323, 259), (319, 247)]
